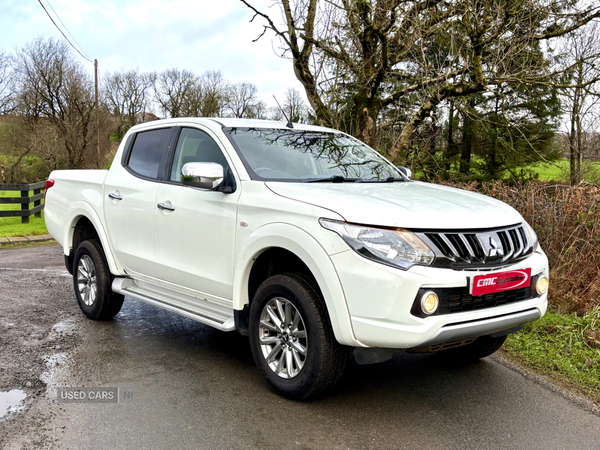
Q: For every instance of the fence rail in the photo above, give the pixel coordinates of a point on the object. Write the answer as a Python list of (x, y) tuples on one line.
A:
[(25, 200)]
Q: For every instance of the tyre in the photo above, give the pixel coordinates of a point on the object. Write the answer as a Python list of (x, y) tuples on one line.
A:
[(92, 281), (292, 341), (480, 348)]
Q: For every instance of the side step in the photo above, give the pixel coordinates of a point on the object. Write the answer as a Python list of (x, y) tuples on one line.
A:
[(199, 310)]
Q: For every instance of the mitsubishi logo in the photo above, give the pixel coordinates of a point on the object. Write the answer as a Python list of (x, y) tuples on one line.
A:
[(494, 250)]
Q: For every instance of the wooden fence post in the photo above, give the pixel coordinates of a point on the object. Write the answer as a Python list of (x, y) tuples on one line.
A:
[(24, 207), (37, 202)]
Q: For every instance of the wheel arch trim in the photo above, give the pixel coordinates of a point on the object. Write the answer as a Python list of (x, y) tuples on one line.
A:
[(83, 209), (313, 255)]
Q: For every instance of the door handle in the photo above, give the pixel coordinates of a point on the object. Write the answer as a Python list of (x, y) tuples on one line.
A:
[(115, 196), (166, 207)]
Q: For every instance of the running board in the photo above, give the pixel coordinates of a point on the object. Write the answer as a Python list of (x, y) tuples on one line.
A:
[(200, 310)]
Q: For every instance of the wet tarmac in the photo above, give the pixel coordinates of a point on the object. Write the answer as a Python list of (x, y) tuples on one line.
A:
[(185, 385)]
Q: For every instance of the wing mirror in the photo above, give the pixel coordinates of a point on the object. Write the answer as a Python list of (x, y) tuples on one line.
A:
[(202, 175), (405, 171)]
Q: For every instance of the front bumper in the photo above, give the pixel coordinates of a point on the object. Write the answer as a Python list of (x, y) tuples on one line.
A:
[(380, 298)]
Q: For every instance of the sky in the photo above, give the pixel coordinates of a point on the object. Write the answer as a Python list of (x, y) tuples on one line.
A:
[(151, 35)]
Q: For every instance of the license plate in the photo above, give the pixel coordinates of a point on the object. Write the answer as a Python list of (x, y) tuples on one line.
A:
[(499, 282)]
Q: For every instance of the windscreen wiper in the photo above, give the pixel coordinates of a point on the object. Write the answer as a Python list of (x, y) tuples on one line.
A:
[(386, 180), (333, 179)]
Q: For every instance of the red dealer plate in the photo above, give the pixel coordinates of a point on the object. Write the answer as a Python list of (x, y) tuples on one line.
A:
[(499, 282)]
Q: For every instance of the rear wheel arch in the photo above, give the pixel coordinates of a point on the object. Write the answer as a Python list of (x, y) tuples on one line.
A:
[(84, 221), (82, 230)]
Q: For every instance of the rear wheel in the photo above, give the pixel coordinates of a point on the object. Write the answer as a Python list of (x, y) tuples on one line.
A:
[(292, 340), (92, 282), (480, 348)]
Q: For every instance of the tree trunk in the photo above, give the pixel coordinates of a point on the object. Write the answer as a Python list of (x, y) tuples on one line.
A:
[(466, 149), (574, 158), (366, 114), (410, 128), (579, 159), (451, 149)]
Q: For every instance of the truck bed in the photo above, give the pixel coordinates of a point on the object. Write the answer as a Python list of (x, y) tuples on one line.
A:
[(70, 190)]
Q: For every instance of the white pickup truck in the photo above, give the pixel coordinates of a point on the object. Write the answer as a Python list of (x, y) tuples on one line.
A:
[(300, 237)]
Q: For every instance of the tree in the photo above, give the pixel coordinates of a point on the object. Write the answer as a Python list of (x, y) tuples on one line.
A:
[(127, 95), (260, 111), (242, 99), (581, 92), (7, 87), (55, 91), (415, 54), (178, 93), (294, 106), (214, 93)]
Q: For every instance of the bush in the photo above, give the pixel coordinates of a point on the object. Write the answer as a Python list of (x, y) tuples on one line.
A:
[(567, 222)]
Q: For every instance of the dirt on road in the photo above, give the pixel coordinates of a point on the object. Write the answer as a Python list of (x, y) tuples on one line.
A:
[(196, 387), (37, 323)]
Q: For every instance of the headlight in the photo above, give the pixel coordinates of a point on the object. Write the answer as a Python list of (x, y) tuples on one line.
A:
[(395, 247), (532, 236)]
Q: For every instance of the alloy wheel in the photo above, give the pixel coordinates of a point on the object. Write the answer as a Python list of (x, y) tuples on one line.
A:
[(282, 337), (86, 280)]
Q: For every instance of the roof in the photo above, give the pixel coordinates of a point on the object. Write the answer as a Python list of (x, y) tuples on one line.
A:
[(231, 122)]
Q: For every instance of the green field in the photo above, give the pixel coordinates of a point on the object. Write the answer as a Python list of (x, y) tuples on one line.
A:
[(559, 171), (11, 226), (553, 171)]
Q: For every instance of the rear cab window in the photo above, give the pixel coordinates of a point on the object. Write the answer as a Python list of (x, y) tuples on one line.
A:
[(148, 152)]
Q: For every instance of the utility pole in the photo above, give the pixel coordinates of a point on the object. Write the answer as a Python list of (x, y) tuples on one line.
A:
[(97, 113)]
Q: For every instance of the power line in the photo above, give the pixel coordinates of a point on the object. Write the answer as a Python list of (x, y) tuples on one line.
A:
[(61, 32), (65, 27)]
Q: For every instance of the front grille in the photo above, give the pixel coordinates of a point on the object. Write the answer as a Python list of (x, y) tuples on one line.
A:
[(478, 248), (457, 300)]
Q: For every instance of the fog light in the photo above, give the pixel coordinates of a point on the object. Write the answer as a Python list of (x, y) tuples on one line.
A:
[(429, 302), (542, 285)]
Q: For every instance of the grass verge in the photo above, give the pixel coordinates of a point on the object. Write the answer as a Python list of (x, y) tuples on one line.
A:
[(564, 347), (12, 226), (18, 245)]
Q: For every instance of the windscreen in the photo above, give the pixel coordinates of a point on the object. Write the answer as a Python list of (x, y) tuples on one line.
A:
[(301, 155)]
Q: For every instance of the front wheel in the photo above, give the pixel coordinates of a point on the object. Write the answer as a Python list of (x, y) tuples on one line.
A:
[(92, 282), (292, 340)]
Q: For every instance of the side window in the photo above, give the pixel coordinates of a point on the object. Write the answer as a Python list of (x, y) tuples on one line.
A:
[(147, 152), (195, 146)]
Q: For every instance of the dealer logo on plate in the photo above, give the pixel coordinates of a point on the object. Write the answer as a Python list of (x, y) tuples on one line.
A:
[(498, 282)]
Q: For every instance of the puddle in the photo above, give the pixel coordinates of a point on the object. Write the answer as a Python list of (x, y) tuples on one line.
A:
[(11, 401), (65, 327), (56, 373)]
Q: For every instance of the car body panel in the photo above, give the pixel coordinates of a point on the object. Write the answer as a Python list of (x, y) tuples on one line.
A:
[(411, 205), (368, 303)]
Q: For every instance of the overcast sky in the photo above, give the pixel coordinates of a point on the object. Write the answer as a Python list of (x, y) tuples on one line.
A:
[(198, 35)]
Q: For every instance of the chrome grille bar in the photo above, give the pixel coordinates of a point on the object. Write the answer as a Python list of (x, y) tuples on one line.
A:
[(479, 248)]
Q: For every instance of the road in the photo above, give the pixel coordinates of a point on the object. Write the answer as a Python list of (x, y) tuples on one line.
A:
[(195, 387)]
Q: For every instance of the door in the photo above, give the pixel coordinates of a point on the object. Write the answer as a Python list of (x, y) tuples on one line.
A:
[(196, 234), (130, 200)]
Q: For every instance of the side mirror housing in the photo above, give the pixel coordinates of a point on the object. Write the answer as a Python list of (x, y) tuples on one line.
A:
[(405, 171), (202, 175)]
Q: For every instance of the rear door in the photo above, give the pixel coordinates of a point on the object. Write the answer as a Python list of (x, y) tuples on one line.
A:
[(195, 240), (130, 200)]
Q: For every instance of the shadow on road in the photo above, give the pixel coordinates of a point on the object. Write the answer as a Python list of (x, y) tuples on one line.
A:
[(205, 381)]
